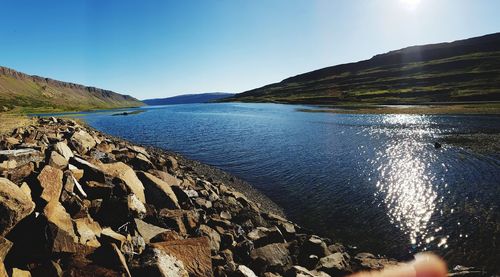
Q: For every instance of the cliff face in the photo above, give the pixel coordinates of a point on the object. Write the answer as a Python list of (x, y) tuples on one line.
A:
[(35, 92), (464, 70)]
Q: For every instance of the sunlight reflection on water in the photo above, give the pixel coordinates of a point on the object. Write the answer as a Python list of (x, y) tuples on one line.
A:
[(406, 184)]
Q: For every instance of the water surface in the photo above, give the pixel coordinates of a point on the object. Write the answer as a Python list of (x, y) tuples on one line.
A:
[(375, 182)]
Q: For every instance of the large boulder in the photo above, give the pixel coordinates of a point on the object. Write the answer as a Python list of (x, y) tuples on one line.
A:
[(182, 221), (110, 236), (314, 246), (261, 236), (172, 164), (272, 257), (193, 252), (110, 256), (336, 264), (170, 179), (5, 246), (57, 160), (50, 181), (298, 271), (127, 175), (88, 231), (91, 172), (243, 271), (155, 262), (15, 205), (57, 215), (21, 156), (158, 192), (64, 150), (368, 261), (213, 236), (17, 174), (82, 142), (148, 231)]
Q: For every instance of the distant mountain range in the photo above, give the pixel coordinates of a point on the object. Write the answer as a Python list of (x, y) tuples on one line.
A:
[(189, 98), (33, 93), (460, 71)]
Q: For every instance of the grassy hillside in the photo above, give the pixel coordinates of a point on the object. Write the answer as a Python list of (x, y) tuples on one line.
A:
[(26, 93), (460, 71)]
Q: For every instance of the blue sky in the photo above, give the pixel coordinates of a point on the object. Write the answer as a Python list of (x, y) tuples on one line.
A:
[(154, 49)]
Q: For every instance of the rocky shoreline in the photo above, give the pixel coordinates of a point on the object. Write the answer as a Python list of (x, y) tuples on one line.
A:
[(77, 202)]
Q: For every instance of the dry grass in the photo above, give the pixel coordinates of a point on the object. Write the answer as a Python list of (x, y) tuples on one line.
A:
[(9, 121)]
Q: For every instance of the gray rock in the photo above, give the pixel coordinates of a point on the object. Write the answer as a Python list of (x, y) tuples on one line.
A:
[(313, 246), (261, 236), (335, 264), (272, 257), (243, 271), (298, 271)]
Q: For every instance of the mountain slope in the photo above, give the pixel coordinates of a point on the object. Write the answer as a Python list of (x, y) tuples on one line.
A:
[(189, 98), (31, 93), (465, 70)]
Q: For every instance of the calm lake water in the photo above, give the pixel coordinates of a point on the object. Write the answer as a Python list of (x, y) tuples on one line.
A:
[(371, 181)]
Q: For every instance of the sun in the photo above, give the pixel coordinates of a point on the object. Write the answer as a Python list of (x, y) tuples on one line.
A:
[(410, 4)]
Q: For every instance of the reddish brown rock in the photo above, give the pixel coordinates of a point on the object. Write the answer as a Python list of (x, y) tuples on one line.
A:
[(19, 173), (91, 172), (166, 236), (194, 254), (213, 236), (168, 178), (128, 176), (50, 181), (110, 236), (22, 156), (155, 262), (16, 272), (88, 231), (77, 173), (5, 246), (57, 160), (158, 192), (64, 150), (181, 221), (82, 142), (57, 215), (15, 205), (146, 230)]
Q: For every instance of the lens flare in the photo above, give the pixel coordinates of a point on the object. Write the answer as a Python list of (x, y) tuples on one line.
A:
[(410, 4)]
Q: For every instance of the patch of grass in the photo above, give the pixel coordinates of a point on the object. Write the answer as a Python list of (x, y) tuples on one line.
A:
[(485, 108), (10, 121)]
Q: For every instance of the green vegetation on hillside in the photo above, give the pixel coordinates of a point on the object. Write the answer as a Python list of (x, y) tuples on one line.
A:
[(459, 72), (31, 94)]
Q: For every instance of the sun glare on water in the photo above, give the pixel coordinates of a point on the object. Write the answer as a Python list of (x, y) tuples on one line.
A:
[(410, 4)]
